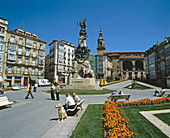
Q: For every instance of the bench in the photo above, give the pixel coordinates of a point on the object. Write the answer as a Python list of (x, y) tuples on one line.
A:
[(72, 112), (162, 94), (15, 88), (124, 96), (4, 101)]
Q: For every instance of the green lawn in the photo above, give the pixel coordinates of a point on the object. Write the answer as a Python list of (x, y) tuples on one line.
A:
[(90, 124), (139, 124), (138, 86), (83, 92), (165, 117)]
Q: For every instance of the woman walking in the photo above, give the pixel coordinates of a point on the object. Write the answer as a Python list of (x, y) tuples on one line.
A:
[(57, 91), (29, 91)]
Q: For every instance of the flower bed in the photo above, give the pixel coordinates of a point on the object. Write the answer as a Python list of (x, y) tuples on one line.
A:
[(113, 82), (117, 126), (7, 88), (146, 101), (114, 124)]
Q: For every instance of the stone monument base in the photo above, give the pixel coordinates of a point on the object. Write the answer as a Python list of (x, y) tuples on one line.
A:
[(82, 84)]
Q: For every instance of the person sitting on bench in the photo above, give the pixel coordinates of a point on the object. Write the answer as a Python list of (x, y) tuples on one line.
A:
[(69, 102), (159, 93), (115, 92), (75, 97)]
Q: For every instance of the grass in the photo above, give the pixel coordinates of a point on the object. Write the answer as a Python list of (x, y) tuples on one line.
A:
[(139, 124), (83, 92), (138, 86), (90, 124), (165, 117)]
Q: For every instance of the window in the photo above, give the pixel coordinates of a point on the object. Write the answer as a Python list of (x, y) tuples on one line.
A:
[(19, 60), (1, 38), (26, 61), (40, 61), (60, 60), (33, 71), (20, 41), (2, 30), (27, 52), (13, 39), (34, 53), (9, 69), (18, 70), (41, 53), (33, 62), (12, 47), (11, 57), (41, 46), (39, 72), (0, 58), (19, 50), (26, 70), (28, 43), (1, 47), (35, 45)]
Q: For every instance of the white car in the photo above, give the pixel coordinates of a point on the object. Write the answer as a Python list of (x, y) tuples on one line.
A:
[(43, 82)]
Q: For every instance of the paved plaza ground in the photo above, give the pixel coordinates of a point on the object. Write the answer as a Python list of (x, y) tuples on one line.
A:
[(37, 117)]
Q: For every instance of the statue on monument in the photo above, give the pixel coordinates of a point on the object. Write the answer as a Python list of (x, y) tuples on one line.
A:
[(82, 67), (83, 27)]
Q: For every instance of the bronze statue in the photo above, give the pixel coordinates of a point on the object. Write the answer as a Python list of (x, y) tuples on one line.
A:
[(83, 27)]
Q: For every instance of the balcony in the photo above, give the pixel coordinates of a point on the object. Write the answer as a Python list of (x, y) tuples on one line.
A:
[(12, 52), (34, 55), (19, 62), (29, 45), (9, 71)]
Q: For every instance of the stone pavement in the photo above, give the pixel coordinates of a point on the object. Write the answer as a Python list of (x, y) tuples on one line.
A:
[(157, 122), (64, 129), (38, 117)]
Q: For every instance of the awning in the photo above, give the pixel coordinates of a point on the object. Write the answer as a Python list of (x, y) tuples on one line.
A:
[(34, 78), (40, 77)]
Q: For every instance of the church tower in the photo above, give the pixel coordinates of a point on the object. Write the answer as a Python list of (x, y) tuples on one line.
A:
[(101, 44)]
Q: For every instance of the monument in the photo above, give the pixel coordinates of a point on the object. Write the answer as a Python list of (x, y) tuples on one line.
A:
[(82, 76)]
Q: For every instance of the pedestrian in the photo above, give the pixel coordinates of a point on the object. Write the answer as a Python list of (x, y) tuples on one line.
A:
[(29, 91), (57, 91), (35, 87), (52, 91), (1, 89)]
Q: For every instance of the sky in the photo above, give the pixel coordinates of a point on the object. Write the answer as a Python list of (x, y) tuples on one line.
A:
[(127, 25)]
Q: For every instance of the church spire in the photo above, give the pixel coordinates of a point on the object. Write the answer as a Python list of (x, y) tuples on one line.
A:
[(101, 44), (100, 34)]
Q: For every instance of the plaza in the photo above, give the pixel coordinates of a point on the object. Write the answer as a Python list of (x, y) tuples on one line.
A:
[(38, 117)]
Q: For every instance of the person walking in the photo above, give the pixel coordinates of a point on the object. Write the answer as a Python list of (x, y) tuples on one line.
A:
[(52, 91), (29, 91), (35, 87), (57, 91)]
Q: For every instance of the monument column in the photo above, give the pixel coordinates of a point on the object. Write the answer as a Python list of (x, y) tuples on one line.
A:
[(82, 76)]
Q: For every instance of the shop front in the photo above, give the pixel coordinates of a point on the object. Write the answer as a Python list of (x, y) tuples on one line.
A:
[(17, 81), (9, 80)]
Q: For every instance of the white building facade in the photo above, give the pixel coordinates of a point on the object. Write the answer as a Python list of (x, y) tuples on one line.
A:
[(61, 55)]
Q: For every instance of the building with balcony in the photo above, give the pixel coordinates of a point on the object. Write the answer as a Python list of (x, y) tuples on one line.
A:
[(61, 55), (24, 57), (3, 34), (157, 63)]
